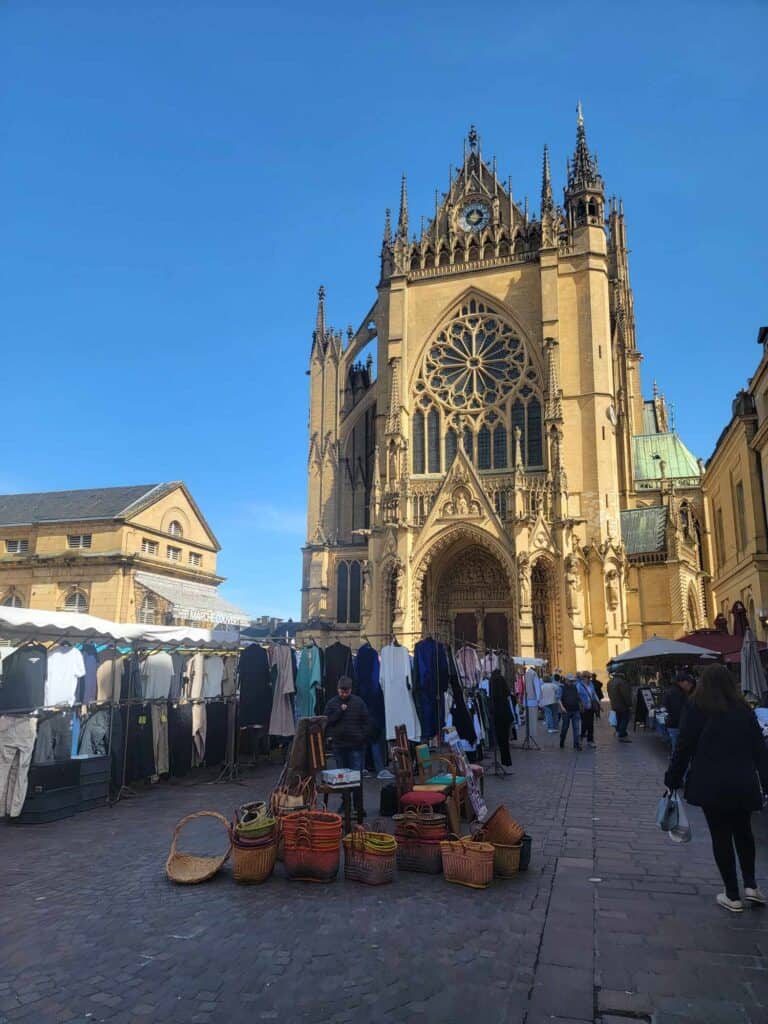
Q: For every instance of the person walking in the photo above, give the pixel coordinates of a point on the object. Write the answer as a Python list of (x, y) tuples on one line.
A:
[(721, 747), (549, 701), (674, 700), (348, 726), (589, 702), (620, 696), (570, 705), (532, 690)]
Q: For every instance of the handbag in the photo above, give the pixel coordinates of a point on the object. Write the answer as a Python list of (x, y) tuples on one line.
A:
[(681, 831), (668, 812), (612, 719)]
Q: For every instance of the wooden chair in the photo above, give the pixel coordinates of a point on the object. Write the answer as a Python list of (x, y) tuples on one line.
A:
[(417, 794), (441, 770)]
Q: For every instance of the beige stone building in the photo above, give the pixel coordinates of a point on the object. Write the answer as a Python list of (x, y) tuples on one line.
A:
[(736, 496), (130, 554), (474, 479)]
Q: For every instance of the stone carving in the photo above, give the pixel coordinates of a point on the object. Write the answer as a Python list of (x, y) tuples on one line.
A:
[(399, 574), (612, 589), (462, 504), (571, 586), (365, 589), (524, 577)]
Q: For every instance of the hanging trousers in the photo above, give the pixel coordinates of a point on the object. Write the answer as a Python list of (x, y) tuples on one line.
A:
[(17, 741), (501, 724), (729, 829)]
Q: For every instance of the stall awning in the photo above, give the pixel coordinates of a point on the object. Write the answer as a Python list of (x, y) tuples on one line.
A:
[(194, 602), (38, 624)]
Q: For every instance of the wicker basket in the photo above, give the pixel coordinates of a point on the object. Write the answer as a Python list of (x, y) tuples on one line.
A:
[(422, 855), (467, 862), (502, 828), (253, 864), (506, 860), (369, 857), (311, 846), (190, 868)]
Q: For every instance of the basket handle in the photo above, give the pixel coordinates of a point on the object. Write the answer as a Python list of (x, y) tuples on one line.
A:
[(190, 817)]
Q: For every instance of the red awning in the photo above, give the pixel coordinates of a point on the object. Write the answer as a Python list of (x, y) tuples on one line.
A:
[(727, 645)]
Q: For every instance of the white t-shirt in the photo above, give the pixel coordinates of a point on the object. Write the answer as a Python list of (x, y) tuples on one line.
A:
[(213, 673), (65, 667)]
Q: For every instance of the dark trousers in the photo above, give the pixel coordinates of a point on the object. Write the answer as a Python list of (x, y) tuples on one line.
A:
[(502, 724), (622, 723), (729, 829), (572, 719), (588, 725), (353, 759)]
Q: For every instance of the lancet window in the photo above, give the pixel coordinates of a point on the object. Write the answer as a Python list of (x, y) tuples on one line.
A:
[(477, 383)]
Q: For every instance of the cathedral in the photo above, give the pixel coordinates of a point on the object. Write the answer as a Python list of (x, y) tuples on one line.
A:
[(483, 466)]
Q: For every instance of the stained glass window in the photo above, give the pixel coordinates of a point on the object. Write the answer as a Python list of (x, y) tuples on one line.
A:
[(433, 437), (418, 442), (484, 448), (450, 447), (500, 448)]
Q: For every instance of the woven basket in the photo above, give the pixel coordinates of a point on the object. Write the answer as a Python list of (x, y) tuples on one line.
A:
[(253, 864), (422, 855), (506, 860), (190, 868), (467, 862), (369, 857), (502, 828), (311, 846)]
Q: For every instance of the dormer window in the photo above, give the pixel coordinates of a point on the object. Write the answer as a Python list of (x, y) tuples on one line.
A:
[(175, 529)]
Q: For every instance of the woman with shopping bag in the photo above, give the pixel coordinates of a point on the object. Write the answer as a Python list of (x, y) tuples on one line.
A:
[(722, 749)]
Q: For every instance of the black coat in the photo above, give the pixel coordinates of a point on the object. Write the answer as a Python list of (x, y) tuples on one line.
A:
[(620, 693), (674, 700), (348, 728), (727, 756)]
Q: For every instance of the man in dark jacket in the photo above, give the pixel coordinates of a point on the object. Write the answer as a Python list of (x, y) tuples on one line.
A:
[(674, 700), (348, 727), (620, 696)]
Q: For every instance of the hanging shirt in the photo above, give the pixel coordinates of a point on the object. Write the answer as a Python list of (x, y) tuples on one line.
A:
[(109, 675), (307, 681), (229, 679), (213, 673), (368, 675), (23, 682), (281, 721), (91, 660), (468, 664), (65, 667), (532, 688), (157, 675), (396, 685)]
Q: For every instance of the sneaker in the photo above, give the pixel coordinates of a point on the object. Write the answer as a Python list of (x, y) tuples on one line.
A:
[(385, 775), (735, 906), (754, 896), (551, 731), (592, 746)]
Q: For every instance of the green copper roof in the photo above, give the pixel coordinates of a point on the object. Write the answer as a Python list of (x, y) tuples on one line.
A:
[(642, 529), (679, 463), (650, 423)]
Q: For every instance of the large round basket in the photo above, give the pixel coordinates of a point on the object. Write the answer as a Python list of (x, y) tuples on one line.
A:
[(191, 868), (502, 828), (506, 860), (253, 864)]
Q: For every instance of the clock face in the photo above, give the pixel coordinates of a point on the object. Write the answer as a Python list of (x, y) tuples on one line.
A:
[(474, 216)]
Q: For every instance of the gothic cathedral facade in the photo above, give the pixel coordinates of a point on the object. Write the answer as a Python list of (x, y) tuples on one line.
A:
[(471, 481)]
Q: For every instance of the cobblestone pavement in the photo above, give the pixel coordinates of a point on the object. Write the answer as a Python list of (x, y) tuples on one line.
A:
[(612, 923)]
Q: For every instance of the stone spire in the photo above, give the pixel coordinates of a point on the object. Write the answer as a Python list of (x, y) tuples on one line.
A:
[(319, 333), (547, 202), (402, 220), (387, 227), (583, 171), (394, 422)]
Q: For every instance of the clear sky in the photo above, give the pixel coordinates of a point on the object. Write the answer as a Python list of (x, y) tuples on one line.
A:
[(177, 179)]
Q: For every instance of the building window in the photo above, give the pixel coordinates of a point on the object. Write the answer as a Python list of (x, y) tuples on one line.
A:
[(149, 547), (174, 528), (451, 443), (148, 611), (433, 436), (500, 448), (173, 554), (195, 558), (348, 577), (418, 442), (720, 553), (78, 540), (741, 522), (500, 504), (484, 448), (76, 601), (12, 601), (17, 547)]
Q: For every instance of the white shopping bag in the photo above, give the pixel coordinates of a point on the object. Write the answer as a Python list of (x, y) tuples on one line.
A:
[(682, 832)]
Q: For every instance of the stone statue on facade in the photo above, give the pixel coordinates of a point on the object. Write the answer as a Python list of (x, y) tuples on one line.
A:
[(524, 578)]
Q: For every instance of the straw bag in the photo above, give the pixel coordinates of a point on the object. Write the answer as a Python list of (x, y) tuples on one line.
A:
[(369, 857), (189, 868), (311, 846), (253, 862), (294, 795), (502, 828), (467, 862), (417, 854), (422, 824)]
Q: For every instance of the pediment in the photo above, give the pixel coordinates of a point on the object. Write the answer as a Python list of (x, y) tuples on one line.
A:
[(541, 538), (462, 498)]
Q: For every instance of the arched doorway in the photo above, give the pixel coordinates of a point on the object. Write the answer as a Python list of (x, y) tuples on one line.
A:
[(467, 598), (544, 612)]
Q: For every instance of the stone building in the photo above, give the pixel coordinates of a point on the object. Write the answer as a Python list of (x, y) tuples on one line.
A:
[(129, 554), (472, 480), (736, 497)]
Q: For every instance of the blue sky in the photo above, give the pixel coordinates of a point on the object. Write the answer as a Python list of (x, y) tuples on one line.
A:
[(177, 179)]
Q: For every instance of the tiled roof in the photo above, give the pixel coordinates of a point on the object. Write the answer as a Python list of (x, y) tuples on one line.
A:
[(643, 529), (679, 462), (70, 506)]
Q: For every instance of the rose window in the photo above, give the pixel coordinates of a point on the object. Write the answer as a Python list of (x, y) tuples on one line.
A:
[(475, 363)]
